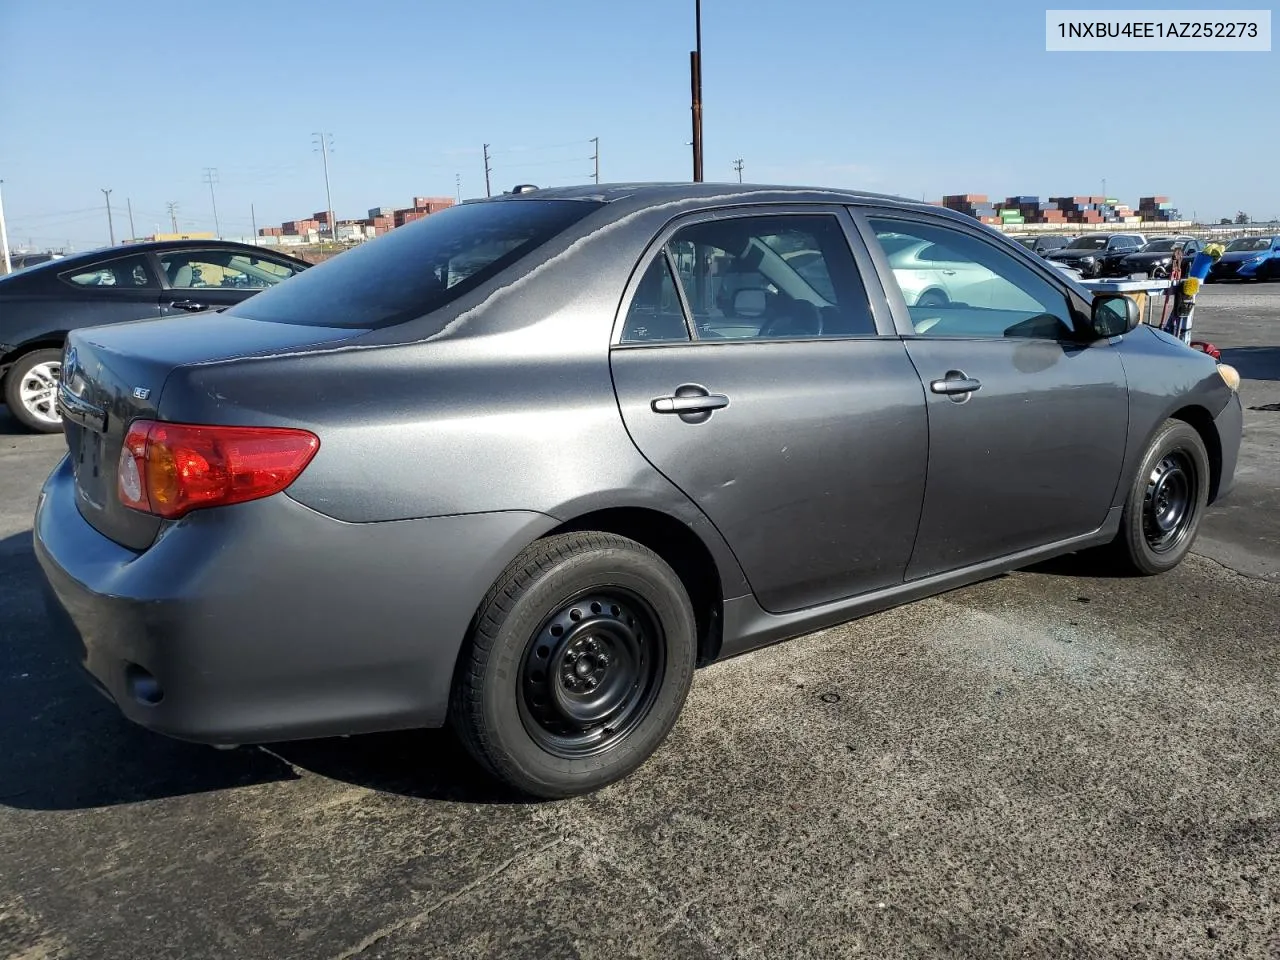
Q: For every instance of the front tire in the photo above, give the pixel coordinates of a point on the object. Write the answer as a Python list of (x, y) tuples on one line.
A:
[(31, 390), (1166, 501), (578, 665)]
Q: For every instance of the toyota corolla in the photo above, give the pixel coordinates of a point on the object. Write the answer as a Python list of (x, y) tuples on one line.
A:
[(520, 466)]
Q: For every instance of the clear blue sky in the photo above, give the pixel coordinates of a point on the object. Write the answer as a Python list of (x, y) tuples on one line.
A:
[(915, 98)]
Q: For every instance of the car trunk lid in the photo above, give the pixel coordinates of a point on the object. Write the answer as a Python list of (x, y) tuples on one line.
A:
[(113, 375)]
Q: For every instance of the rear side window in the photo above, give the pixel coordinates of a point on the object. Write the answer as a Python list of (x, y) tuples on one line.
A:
[(417, 268), (125, 273)]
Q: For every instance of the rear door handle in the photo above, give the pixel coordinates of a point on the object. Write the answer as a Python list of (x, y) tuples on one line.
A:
[(955, 385), (694, 404), (189, 305)]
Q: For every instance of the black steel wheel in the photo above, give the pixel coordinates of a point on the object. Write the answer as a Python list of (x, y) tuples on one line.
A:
[(1169, 504), (1166, 501), (578, 665), (591, 673)]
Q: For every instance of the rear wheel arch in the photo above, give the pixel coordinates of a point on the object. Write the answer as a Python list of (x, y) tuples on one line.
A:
[(51, 341), (680, 547)]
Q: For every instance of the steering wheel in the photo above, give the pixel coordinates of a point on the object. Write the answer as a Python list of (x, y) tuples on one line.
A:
[(803, 316)]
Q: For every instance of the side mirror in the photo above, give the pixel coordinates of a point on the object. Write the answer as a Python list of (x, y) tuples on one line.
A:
[(749, 302), (1113, 314)]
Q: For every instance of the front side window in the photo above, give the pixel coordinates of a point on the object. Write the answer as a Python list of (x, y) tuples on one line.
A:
[(957, 285), (767, 277), (122, 274), (195, 269)]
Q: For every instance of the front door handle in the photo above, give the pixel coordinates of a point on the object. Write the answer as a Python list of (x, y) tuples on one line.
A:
[(955, 385), (698, 403), (189, 305)]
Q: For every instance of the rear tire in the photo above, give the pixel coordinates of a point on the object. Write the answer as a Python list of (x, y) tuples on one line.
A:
[(577, 667), (30, 390), (1166, 502), (932, 298)]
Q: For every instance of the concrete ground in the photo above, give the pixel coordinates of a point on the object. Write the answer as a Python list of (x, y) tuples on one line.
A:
[(1048, 764)]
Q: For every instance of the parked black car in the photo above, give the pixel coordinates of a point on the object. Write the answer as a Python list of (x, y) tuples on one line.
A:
[(1153, 260), (1088, 253), (140, 281), (1044, 244)]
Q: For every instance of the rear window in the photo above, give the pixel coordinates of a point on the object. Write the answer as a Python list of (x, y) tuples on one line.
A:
[(417, 268)]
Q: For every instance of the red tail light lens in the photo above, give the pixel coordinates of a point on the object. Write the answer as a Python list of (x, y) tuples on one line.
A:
[(169, 469)]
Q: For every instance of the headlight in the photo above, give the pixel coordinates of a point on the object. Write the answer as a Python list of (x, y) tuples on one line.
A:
[(1087, 259), (1230, 375)]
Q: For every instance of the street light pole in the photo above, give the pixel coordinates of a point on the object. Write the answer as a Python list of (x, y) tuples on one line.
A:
[(111, 230), (695, 81), (4, 237)]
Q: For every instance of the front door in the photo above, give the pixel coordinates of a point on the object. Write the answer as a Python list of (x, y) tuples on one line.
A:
[(1027, 419), (761, 385)]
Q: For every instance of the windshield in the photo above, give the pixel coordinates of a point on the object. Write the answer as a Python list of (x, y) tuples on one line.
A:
[(1088, 243), (416, 268), (1161, 246), (1249, 243)]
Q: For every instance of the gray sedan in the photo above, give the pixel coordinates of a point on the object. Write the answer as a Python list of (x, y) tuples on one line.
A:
[(522, 465)]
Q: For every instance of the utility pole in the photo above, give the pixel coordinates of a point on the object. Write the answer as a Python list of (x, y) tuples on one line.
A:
[(4, 237), (110, 226), (326, 144), (133, 234), (1104, 188), (487, 171), (211, 177), (457, 188), (596, 157), (253, 219), (695, 80), (173, 214), (737, 165)]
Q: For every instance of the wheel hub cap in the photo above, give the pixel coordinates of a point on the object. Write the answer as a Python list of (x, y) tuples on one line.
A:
[(38, 391), (1169, 503), (591, 673)]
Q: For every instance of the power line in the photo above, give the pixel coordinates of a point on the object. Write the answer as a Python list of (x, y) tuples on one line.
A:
[(211, 177)]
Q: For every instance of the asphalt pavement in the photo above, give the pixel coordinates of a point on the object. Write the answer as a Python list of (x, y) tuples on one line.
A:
[(1047, 764)]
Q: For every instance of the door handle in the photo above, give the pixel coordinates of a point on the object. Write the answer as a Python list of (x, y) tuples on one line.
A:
[(949, 273), (955, 384), (698, 403), (189, 305)]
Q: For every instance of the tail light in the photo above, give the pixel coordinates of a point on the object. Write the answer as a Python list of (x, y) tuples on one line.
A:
[(169, 469)]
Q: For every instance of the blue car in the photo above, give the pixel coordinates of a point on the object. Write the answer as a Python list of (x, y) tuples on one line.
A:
[(1249, 258)]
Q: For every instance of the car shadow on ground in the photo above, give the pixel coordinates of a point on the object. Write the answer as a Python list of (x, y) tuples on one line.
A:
[(66, 747), (1254, 363)]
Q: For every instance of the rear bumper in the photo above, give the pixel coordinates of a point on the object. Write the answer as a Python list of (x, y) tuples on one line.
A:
[(268, 621)]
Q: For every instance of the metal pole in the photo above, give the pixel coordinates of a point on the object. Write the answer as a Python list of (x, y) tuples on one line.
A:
[(487, 192), (173, 215), (324, 155), (596, 157), (253, 219), (4, 237), (110, 226), (133, 234), (695, 80), (737, 165), (211, 177), (457, 188)]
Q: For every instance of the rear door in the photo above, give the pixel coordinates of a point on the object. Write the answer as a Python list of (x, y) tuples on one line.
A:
[(210, 279), (788, 410), (1027, 421)]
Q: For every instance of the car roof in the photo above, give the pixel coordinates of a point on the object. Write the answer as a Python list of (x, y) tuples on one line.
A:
[(627, 197)]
